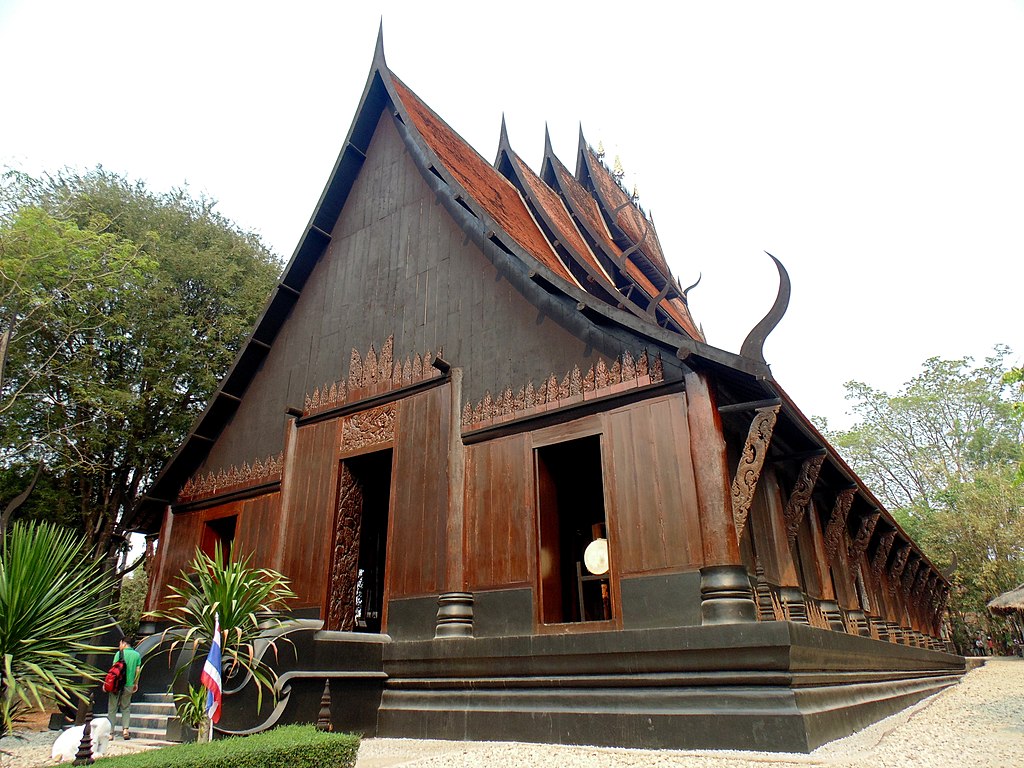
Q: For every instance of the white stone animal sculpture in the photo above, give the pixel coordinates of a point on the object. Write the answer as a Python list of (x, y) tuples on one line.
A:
[(66, 746)]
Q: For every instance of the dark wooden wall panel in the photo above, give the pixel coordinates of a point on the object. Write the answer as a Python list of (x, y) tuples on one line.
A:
[(654, 510), (398, 264), (256, 534), (307, 512), (419, 504), (500, 532)]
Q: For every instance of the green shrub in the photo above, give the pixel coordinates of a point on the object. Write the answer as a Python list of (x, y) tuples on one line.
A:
[(290, 746)]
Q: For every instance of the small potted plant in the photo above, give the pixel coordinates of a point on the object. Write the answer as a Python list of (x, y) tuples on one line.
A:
[(191, 708)]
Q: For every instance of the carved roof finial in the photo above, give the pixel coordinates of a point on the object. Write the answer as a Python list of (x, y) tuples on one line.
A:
[(600, 150), (617, 170)]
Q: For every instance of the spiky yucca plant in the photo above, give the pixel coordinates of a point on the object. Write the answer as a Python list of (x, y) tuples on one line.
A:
[(249, 602), (52, 607)]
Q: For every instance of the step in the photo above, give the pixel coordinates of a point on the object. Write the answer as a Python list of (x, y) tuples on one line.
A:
[(161, 710), (150, 734), (157, 698)]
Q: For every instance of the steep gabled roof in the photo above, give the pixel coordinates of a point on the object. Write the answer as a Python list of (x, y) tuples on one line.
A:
[(492, 212), (587, 211)]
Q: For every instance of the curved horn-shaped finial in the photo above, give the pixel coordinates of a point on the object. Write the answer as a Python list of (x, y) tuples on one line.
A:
[(753, 345), (686, 291), (948, 573)]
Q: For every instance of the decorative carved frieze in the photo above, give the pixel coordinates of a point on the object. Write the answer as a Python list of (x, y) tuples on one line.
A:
[(863, 537), (755, 450), (371, 427), (882, 556), (800, 497), (371, 375), (898, 564), (624, 373), (924, 588), (837, 522), (204, 486), (341, 603)]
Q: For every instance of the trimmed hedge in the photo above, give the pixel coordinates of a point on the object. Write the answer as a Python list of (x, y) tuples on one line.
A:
[(290, 746)]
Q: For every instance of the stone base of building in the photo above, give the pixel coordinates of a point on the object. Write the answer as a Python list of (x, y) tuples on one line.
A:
[(774, 686)]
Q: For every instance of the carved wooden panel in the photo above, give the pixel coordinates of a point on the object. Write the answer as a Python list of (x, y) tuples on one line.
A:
[(341, 601), (882, 556), (796, 507), (625, 372), (898, 564), (211, 484), (837, 522), (863, 537), (909, 574), (375, 426), (372, 375), (751, 462)]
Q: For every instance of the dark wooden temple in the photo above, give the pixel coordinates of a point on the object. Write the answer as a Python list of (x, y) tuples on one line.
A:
[(517, 493)]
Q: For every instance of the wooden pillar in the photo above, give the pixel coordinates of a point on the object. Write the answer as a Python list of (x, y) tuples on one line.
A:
[(726, 596), (455, 605), (825, 593)]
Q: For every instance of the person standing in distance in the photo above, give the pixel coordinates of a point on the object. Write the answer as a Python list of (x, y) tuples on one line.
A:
[(121, 701)]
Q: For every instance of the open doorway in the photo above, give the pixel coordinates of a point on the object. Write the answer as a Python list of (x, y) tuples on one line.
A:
[(355, 600), (574, 576)]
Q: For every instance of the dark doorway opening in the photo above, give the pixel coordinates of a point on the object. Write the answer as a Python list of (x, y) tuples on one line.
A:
[(356, 597), (574, 567)]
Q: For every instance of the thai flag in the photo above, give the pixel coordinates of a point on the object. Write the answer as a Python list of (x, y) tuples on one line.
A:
[(211, 674)]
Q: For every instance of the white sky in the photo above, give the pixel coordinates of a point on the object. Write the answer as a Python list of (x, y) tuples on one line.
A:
[(876, 148)]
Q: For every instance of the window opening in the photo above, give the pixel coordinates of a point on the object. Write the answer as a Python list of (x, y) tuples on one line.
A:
[(221, 531), (574, 568)]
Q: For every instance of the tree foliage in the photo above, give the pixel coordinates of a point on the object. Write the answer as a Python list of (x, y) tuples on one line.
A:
[(50, 610), (125, 308), (944, 454)]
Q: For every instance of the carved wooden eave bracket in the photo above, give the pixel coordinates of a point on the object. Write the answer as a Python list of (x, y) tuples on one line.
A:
[(882, 556), (835, 532), (601, 380), (753, 345), (863, 537), (755, 449), (896, 571), (800, 498)]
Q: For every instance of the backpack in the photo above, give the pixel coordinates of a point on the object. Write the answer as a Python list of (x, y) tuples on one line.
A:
[(117, 676)]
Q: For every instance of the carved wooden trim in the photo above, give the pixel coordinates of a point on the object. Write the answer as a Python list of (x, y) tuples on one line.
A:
[(837, 522), (919, 592), (796, 507), (759, 437), (341, 601), (909, 575), (233, 479), (624, 373), (882, 555), (372, 375), (898, 564), (864, 533), (372, 427)]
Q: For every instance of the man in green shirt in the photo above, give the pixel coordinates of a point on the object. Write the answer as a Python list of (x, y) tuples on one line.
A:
[(121, 701)]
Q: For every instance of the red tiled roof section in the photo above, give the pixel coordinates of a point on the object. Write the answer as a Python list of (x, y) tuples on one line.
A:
[(629, 217), (564, 226), (488, 187), (585, 207)]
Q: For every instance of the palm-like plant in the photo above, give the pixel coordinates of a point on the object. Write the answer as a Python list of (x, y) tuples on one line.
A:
[(51, 608), (249, 602)]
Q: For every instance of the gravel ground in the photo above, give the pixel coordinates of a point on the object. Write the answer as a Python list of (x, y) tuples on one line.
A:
[(979, 723)]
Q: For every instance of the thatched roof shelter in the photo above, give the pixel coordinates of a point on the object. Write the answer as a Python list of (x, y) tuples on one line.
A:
[(1008, 602)]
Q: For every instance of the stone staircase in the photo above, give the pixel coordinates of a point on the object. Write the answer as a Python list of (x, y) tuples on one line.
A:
[(150, 715)]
